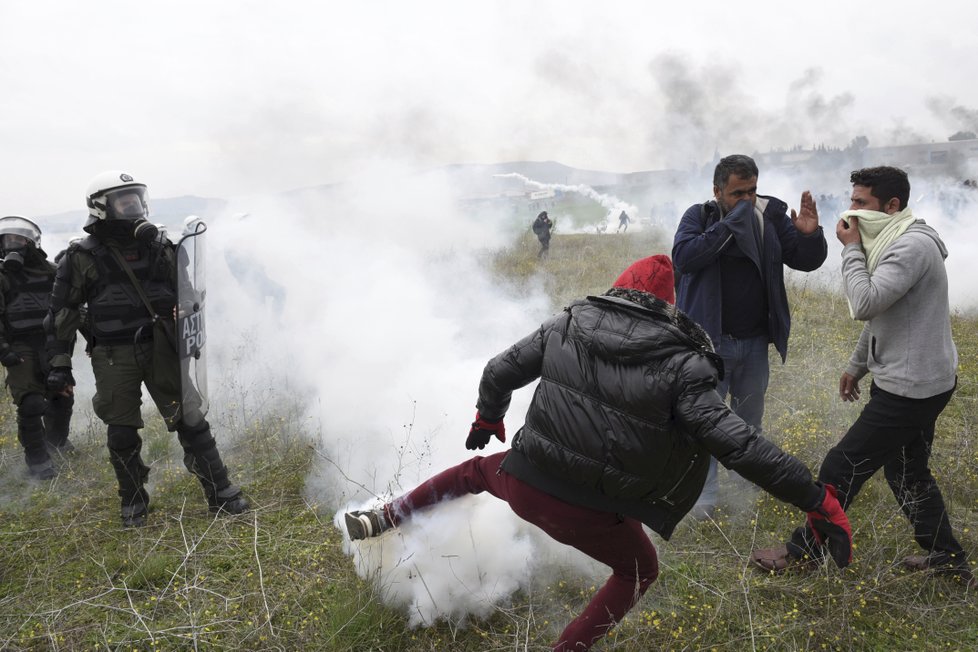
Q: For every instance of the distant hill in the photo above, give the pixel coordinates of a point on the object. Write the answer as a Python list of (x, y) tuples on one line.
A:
[(483, 179)]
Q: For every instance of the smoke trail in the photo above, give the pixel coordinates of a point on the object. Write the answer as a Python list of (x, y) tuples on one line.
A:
[(612, 204)]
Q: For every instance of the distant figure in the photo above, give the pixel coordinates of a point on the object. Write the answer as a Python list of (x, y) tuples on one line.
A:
[(601, 228), (248, 270), (542, 226), (622, 222)]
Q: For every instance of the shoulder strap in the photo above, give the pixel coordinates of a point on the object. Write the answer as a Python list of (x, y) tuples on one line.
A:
[(135, 282), (157, 320)]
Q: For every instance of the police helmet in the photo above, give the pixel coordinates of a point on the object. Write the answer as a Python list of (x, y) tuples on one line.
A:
[(116, 195), (19, 227)]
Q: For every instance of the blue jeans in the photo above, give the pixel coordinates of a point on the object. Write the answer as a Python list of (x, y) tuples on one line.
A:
[(745, 376)]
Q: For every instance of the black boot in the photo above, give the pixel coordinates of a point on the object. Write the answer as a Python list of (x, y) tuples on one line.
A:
[(124, 447), (202, 458), (57, 418), (30, 432), (229, 500)]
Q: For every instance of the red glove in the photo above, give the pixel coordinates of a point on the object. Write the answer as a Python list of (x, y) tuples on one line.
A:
[(482, 430), (831, 527)]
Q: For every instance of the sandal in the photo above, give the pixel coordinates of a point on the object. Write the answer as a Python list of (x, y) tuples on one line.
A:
[(958, 573), (778, 560)]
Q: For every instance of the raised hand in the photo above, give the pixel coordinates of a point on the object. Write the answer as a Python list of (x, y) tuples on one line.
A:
[(806, 219)]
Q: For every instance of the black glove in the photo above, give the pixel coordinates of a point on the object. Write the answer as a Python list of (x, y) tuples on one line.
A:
[(10, 358), (831, 528), (482, 431), (60, 379)]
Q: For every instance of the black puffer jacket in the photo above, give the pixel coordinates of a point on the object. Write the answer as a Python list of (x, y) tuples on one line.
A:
[(626, 414)]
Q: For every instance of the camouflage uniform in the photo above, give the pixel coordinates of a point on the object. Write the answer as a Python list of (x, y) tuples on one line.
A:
[(130, 348), (43, 416)]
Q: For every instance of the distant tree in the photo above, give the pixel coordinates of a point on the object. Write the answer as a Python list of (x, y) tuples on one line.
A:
[(858, 143), (962, 135)]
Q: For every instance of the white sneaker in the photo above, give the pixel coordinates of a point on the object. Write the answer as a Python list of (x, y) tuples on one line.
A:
[(366, 524)]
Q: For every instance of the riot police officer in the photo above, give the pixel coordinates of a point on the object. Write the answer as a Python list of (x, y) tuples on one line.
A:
[(126, 272), (26, 279)]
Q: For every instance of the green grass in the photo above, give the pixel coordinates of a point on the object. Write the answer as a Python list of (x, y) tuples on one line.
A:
[(276, 579)]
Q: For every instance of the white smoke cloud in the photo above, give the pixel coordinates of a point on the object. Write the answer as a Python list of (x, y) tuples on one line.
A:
[(373, 304)]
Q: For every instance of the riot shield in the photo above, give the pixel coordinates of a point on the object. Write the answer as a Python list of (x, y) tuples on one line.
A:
[(191, 335)]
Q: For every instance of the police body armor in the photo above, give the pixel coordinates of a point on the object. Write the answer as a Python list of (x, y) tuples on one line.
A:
[(116, 313), (27, 302)]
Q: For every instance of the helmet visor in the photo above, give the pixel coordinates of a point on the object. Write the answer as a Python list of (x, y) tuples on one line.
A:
[(127, 203), (20, 227), (12, 241)]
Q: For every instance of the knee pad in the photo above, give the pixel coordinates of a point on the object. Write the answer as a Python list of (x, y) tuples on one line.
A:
[(123, 437), (195, 439), (62, 403), (33, 405)]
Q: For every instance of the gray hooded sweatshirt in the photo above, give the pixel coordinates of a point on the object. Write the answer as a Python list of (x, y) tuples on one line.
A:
[(906, 343)]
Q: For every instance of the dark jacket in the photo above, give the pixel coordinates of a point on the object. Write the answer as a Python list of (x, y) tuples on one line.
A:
[(89, 275), (626, 416), (701, 239), (24, 299), (541, 227)]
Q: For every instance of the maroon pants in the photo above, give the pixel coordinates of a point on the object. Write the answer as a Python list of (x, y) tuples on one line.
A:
[(619, 542)]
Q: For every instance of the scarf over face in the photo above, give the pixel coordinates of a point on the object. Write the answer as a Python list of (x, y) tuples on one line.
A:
[(878, 230)]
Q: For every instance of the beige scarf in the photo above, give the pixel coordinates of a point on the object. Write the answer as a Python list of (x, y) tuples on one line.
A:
[(878, 231)]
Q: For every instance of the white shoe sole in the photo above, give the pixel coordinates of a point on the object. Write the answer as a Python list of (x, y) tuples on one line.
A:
[(359, 527)]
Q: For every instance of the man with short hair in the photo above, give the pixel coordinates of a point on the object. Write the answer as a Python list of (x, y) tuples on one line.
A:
[(730, 254), (894, 279), (619, 433)]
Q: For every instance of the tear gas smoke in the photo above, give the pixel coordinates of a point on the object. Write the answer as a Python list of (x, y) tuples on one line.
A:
[(371, 304)]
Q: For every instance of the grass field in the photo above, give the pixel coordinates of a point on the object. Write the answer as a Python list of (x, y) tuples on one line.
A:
[(276, 579)]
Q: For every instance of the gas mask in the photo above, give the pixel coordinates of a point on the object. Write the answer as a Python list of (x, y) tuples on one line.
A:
[(13, 261), (144, 230), (14, 249), (123, 230), (126, 216)]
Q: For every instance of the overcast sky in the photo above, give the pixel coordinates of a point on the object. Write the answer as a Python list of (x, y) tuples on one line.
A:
[(223, 98)]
